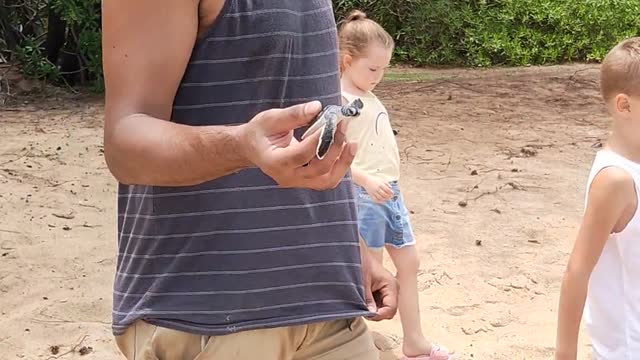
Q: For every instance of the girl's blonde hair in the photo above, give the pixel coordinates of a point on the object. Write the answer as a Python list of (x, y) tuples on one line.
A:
[(357, 32)]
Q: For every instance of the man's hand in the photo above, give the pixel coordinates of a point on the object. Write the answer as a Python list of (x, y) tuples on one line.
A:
[(379, 190), (380, 288), (267, 142)]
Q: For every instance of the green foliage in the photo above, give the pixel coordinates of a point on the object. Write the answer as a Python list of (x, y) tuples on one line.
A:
[(427, 32), (83, 35), (501, 32), (25, 37), (34, 63)]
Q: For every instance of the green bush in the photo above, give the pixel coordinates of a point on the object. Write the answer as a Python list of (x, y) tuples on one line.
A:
[(82, 18), (53, 40), (427, 32), (501, 32)]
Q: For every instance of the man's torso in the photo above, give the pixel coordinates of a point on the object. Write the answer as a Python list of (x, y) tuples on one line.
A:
[(240, 253)]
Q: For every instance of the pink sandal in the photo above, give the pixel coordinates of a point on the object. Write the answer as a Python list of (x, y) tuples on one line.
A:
[(437, 353)]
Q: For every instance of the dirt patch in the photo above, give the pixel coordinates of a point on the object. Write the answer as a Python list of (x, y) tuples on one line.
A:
[(494, 168)]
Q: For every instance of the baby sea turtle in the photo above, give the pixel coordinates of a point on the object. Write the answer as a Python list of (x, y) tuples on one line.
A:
[(327, 122)]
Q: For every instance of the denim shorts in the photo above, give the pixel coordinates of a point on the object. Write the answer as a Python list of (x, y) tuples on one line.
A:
[(385, 223)]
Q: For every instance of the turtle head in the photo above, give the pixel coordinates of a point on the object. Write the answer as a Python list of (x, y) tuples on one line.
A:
[(357, 103), (353, 109)]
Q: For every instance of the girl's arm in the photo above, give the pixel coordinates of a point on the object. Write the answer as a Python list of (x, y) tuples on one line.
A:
[(359, 177), (611, 203), (379, 190)]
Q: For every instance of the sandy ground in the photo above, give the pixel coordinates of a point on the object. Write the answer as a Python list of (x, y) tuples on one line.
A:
[(494, 167)]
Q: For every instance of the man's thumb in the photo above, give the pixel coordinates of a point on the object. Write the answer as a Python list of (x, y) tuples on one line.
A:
[(368, 296), (293, 117)]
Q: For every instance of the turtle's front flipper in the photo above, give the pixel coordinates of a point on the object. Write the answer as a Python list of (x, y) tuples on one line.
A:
[(327, 122), (327, 133), (314, 127)]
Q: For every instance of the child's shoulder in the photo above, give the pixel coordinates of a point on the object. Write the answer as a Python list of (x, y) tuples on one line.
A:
[(368, 98), (612, 169), (607, 158), (613, 179), (350, 95)]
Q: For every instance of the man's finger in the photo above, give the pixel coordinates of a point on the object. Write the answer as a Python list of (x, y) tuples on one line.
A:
[(368, 297), (290, 118), (343, 163), (385, 312), (388, 303), (318, 167), (299, 153)]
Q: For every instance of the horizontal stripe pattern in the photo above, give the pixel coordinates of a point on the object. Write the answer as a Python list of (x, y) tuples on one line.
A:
[(227, 211), (247, 180), (240, 252), (279, 11), (286, 58), (162, 274), (261, 79), (272, 34), (272, 271), (258, 58), (284, 102), (236, 292)]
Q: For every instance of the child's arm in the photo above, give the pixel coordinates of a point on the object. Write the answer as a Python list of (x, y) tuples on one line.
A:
[(379, 190), (612, 193)]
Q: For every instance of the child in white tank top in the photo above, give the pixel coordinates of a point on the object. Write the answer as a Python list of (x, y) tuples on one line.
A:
[(602, 280)]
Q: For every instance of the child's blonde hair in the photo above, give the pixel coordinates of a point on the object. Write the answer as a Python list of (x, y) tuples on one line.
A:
[(620, 70), (357, 32)]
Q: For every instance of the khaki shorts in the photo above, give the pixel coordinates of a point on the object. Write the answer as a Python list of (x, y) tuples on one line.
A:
[(333, 340)]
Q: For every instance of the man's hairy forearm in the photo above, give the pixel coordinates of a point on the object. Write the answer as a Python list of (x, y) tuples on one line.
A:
[(140, 149)]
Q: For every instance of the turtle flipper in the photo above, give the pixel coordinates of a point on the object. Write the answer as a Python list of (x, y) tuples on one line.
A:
[(327, 134), (327, 122), (314, 127)]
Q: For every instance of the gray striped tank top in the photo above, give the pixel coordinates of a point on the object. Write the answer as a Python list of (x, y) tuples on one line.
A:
[(239, 253)]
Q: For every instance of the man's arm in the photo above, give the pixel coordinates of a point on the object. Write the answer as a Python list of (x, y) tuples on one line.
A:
[(146, 48), (611, 193), (380, 287)]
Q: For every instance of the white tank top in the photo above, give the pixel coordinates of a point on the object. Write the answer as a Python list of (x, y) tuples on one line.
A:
[(612, 310)]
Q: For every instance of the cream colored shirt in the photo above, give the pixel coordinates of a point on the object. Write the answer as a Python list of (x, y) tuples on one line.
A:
[(377, 148)]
